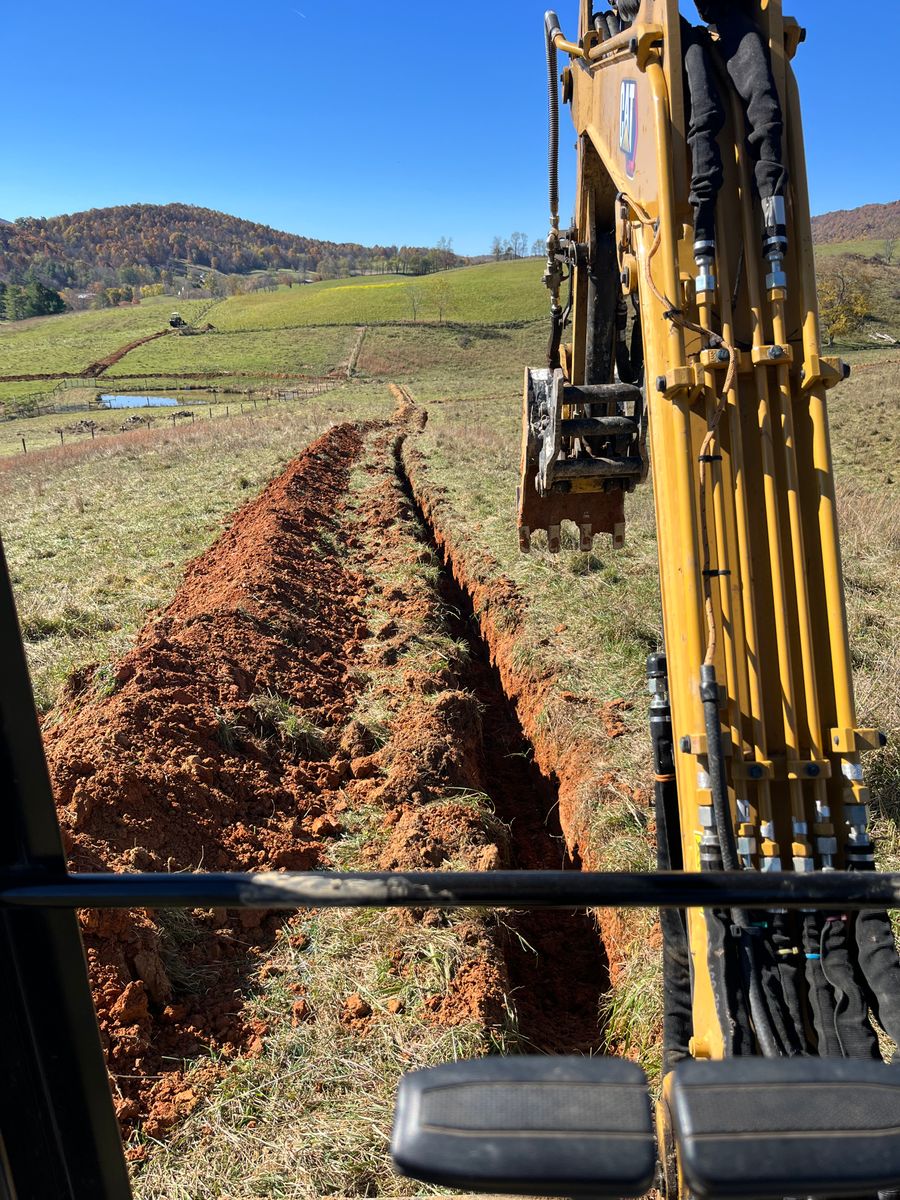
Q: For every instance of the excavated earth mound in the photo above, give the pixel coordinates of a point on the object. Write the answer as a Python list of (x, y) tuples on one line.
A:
[(216, 748)]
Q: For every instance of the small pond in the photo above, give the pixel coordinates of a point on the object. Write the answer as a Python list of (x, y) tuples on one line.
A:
[(138, 402)]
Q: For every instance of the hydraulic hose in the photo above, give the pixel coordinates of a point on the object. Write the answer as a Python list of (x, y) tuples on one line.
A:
[(552, 29), (756, 998)]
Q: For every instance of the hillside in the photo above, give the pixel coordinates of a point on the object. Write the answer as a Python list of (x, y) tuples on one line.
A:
[(142, 243), (852, 224)]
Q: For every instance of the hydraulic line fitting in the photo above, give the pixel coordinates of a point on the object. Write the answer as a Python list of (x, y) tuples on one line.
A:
[(746, 841), (705, 257), (775, 240), (710, 851), (859, 852)]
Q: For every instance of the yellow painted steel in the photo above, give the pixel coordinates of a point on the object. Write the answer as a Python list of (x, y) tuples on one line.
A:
[(759, 540)]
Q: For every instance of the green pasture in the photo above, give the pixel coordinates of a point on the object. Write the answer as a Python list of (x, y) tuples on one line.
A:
[(71, 341), (489, 293), (289, 351)]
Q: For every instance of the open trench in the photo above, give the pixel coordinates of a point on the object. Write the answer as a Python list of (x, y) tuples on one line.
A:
[(227, 739), (555, 960)]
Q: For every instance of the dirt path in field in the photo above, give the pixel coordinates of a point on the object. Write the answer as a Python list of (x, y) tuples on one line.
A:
[(228, 739)]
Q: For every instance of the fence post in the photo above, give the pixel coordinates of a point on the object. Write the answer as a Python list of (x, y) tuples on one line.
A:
[(24, 447)]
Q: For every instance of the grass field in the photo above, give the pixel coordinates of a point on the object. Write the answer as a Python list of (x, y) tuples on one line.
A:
[(71, 341), (312, 351), (97, 535), (309, 329), (490, 293)]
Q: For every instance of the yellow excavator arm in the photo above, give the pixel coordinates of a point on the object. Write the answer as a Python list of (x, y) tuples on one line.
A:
[(722, 387)]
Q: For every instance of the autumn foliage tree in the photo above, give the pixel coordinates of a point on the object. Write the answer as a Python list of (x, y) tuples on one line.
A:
[(844, 301)]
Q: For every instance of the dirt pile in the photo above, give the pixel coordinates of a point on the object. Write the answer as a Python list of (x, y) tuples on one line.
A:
[(213, 745)]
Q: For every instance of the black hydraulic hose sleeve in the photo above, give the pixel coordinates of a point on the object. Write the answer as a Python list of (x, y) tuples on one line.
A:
[(771, 983), (551, 27), (748, 64), (759, 1011), (719, 945), (785, 946), (677, 1014), (706, 121), (738, 992), (880, 967), (820, 996), (718, 786), (854, 1032)]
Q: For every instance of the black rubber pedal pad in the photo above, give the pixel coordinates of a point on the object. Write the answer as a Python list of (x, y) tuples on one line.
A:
[(787, 1126), (540, 1126)]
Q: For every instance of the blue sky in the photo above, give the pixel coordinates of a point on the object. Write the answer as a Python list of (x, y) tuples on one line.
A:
[(389, 123)]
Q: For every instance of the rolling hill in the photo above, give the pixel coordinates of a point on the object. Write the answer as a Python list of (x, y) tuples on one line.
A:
[(141, 243), (853, 224)]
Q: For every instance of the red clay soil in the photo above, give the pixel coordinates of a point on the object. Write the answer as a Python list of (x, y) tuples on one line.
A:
[(456, 729), (184, 766)]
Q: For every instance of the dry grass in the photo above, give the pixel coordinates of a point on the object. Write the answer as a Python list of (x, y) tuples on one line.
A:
[(97, 534), (311, 1115)]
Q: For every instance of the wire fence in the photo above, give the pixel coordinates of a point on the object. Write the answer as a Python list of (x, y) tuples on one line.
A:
[(239, 403)]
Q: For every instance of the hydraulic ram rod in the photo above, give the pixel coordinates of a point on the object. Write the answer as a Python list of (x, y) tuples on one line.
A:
[(839, 890)]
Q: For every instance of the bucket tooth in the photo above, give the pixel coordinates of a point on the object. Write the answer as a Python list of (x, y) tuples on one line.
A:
[(586, 540), (618, 536), (553, 538), (524, 539)]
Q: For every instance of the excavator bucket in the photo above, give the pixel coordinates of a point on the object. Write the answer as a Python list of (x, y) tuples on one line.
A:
[(581, 451)]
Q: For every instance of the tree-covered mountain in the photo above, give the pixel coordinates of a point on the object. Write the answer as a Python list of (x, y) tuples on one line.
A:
[(851, 224), (147, 243)]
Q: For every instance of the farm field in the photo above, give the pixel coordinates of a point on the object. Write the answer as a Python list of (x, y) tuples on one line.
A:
[(71, 341), (318, 705), (491, 293), (293, 351)]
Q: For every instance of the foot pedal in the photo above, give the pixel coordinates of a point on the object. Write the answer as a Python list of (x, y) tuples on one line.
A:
[(760, 1127), (536, 1126)]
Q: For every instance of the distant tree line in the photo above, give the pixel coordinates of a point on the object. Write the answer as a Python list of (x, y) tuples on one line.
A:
[(516, 246), (32, 299), (135, 245)]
